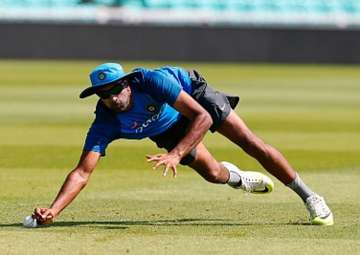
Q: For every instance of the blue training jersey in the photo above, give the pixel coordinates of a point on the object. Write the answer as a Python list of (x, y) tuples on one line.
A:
[(154, 92)]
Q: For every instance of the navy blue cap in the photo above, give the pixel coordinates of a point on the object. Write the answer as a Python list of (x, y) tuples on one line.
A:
[(103, 75)]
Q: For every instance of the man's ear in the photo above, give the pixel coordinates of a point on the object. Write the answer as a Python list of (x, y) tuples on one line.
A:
[(128, 87)]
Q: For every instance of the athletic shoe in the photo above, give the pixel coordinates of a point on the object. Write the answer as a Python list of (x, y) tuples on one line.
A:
[(320, 214), (252, 182)]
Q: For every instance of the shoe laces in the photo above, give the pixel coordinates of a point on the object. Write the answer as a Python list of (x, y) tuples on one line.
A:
[(249, 184), (317, 207)]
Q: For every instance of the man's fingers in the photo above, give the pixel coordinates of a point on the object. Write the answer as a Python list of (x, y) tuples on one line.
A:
[(49, 217), (173, 168), (47, 214), (163, 159), (42, 214), (149, 157), (166, 170), (153, 157), (159, 163), (38, 212), (174, 171)]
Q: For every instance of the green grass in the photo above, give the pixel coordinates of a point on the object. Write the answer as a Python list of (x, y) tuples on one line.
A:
[(311, 113)]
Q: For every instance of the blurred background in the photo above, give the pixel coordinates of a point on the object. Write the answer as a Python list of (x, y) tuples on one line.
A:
[(292, 31)]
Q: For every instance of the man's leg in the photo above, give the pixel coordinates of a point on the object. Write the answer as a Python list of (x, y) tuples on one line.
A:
[(274, 162), (224, 172), (271, 159)]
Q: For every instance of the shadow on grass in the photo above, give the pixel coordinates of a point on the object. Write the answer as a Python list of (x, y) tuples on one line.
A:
[(175, 222)]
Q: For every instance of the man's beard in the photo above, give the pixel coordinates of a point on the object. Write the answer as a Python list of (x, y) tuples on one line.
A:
[(119, 107)]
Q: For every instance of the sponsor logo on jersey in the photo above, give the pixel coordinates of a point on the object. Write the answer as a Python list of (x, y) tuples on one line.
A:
[(135, 125), (147, 122)]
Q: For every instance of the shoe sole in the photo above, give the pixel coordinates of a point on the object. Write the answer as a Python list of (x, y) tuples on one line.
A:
[(269, 186), (328, 221)]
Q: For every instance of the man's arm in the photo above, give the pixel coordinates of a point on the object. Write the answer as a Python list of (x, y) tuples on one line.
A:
[(200, 124), (73, 184)]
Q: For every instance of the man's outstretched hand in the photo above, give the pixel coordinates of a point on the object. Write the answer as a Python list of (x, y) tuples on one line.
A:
[(170, 161), (43, 215)]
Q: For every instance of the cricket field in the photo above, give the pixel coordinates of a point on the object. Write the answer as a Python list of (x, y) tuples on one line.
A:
[(311, 113)]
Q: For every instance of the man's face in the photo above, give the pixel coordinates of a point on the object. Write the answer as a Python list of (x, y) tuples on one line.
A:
[(116, 97)]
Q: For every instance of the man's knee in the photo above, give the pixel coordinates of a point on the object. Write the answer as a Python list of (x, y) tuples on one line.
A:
[(215, 175)]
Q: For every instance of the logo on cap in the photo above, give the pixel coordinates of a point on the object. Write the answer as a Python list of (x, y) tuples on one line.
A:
[(101, 76)]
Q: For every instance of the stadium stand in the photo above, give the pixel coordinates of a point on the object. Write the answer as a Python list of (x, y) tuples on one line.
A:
[(338, 13)]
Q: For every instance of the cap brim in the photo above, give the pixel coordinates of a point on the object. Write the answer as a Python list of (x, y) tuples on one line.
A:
[(92, 90)]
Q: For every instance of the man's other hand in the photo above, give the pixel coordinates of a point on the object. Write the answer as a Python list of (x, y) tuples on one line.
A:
[(43, 215), (170, 161)]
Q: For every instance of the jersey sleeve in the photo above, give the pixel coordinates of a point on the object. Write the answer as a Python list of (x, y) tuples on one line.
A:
[(98, 137), (161, 87)]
